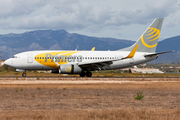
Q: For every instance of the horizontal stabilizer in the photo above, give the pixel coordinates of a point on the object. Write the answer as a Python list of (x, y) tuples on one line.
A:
[(149, 55)]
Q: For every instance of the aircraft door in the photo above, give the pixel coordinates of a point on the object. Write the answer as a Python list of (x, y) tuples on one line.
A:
[(30, 58), (131, 61)]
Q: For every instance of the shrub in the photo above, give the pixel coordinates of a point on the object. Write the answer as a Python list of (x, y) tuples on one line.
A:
[(139, 96)]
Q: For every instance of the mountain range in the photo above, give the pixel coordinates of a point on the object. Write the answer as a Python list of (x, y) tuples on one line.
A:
[(11, 44)]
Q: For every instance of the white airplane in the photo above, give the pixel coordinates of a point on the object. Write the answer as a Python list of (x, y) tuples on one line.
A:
[(83, 62), (147, 71)]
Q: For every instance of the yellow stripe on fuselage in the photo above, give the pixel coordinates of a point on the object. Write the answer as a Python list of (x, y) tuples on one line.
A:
[(53, 63)]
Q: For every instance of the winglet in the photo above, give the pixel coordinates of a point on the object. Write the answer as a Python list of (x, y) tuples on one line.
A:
[(132, 52), (93, 49)]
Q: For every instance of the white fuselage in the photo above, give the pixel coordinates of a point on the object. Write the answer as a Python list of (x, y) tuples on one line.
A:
[(36, 60)]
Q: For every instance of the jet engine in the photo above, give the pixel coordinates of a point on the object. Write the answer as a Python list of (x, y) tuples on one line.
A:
[(69, 69)]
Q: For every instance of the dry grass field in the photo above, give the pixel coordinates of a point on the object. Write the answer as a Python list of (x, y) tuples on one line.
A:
[(90, 101)]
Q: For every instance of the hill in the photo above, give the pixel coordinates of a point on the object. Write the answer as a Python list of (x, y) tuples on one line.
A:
[(168, 45), (11, 44)]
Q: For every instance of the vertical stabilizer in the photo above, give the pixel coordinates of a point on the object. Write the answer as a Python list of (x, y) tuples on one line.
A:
[(149, 39)]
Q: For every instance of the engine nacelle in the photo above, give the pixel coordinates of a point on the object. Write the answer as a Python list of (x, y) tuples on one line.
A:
[(69, 69)]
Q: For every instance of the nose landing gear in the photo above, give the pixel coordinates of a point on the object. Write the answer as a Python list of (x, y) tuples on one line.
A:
[(24, 74)]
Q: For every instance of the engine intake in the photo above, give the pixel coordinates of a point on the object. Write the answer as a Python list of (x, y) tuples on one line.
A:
[(69, 69)]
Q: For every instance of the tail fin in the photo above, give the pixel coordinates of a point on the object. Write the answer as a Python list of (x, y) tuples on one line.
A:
[(93, 49), (149, 39)]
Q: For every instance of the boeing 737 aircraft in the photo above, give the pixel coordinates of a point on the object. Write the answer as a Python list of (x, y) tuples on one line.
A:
[(83, 62)]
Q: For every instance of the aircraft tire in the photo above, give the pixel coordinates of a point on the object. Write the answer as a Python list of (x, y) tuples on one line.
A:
[(82, 74), (88, 74), (24, 74)]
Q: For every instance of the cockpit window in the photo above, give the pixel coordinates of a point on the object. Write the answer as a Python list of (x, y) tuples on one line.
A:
[(14, 57)]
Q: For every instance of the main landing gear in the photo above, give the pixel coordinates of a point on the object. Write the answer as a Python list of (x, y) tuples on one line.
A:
[(87, 74)]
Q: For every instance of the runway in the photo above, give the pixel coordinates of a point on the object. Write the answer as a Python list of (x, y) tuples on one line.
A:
[(79, 80)]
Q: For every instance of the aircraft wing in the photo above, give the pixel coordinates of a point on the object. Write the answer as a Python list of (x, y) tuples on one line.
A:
[(107, 62)]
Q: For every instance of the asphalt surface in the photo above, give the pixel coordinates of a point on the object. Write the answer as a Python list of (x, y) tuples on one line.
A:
[(10, 82), (82, 80), (77, 77)]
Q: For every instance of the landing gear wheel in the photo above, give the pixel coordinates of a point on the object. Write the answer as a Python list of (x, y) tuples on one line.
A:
[(88, 74), (82, 74), (24, 74)]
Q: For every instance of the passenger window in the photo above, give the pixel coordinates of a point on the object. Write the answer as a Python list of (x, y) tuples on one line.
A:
[(35, 58)]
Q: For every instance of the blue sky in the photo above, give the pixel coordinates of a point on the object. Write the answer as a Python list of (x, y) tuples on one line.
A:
[(99, 18)]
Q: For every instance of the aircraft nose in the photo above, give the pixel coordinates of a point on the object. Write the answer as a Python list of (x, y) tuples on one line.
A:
[(7, 62)]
